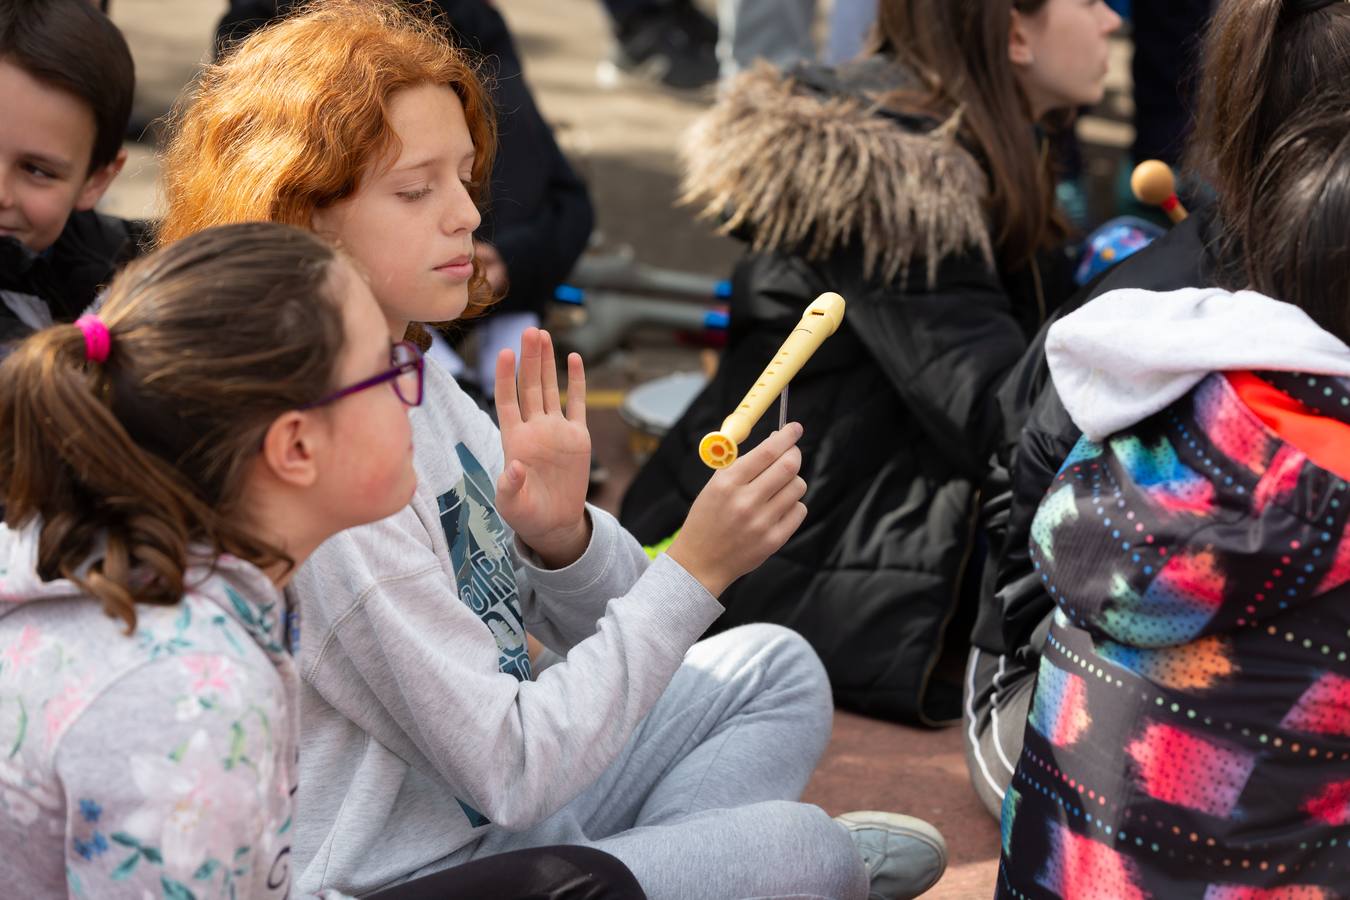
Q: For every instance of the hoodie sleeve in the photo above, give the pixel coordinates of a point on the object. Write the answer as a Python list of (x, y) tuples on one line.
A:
[(414, 667), (180, 804), (562, 606), (558, 606)]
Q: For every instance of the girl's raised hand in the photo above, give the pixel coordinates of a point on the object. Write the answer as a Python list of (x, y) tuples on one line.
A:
[(542, 490)]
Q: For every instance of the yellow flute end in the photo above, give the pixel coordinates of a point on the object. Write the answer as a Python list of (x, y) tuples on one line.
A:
[(717, 450), (829, 305)]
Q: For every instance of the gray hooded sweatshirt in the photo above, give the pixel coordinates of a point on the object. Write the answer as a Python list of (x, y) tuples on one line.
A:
[(423, 726)]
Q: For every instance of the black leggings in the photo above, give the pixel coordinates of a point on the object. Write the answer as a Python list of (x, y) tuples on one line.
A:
[(542, 873)]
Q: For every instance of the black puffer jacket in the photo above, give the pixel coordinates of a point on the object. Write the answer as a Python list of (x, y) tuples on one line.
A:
[(67, 278), (836, 195), (1038, 434)]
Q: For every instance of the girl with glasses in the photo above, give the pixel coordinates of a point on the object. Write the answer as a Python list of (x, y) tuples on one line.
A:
[(160, 490), (428, 739), (164, 468)]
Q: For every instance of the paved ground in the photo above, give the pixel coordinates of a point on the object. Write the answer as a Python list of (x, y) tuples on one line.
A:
[(622, 137)]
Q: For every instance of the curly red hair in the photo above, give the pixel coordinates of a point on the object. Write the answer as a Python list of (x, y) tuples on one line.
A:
[(287, 123)]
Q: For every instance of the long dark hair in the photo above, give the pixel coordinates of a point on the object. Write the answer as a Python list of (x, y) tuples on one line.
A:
[(130, 461), (959, 51), (1262, 62), (1296, 218)]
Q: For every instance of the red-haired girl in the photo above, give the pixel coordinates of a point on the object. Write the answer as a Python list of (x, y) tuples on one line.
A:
[(427, 738)]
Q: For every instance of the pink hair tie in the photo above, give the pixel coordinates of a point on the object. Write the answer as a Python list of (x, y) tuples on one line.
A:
[(97, 340)]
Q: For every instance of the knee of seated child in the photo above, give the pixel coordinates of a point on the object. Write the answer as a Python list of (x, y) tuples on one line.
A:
[(788, 655)]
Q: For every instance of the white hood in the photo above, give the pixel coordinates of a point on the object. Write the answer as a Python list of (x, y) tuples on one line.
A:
[(1130, 354)]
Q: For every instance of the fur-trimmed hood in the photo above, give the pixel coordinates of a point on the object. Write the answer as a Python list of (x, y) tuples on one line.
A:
[(811, 162)]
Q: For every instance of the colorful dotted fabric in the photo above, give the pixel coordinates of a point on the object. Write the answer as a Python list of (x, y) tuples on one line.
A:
[(1060, 708), (1180, 767), (1194, 666), (1323, 709), (1190, 734)]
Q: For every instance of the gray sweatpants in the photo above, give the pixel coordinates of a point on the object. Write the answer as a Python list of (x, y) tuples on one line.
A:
[(701, 803), (998, 698)]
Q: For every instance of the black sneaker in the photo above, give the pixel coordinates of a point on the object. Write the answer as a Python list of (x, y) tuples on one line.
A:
[(674, 45)]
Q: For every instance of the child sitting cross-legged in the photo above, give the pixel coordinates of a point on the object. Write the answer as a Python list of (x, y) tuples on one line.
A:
[(427, 739)]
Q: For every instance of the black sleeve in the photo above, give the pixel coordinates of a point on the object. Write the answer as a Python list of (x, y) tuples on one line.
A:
[(242, 18), (1046, 442), (541, 250), (12, 330), (539, 214), (1038, 435), (1009, 497), (556, 873), (945, 350)]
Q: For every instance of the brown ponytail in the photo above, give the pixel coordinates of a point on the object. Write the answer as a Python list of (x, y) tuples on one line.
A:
[(1262, 61), (130, 462)]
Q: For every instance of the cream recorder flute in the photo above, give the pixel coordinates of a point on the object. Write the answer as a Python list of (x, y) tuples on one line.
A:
[(821, 319)]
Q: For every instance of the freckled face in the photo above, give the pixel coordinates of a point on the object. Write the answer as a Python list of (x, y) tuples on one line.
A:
[(411, 222)]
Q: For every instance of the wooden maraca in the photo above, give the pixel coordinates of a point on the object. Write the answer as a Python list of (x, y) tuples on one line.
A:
[(1153, 183)]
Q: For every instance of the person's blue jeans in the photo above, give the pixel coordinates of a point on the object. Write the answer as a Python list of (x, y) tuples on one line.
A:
[(850, 22)]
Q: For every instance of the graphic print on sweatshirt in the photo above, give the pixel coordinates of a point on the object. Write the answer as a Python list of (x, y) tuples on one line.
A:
[(479, 551)]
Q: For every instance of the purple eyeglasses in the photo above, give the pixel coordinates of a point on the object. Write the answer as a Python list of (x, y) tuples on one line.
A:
[(405, 372)]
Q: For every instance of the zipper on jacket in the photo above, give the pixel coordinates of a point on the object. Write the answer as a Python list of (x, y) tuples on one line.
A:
[(940, 643), (1040, 290), (1035, 257)]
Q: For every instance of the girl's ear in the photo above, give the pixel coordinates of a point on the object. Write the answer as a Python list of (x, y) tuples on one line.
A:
[(1020, 52), (291, 447), (327, 223), (96, 185)]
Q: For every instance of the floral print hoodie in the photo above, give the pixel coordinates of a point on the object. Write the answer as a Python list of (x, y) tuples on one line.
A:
[(160, 763)]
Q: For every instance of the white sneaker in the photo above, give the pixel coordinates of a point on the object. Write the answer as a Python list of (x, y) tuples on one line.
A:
[(904, 856)]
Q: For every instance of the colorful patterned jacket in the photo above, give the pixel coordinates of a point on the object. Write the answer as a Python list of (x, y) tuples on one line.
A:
[(1190, 735)]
